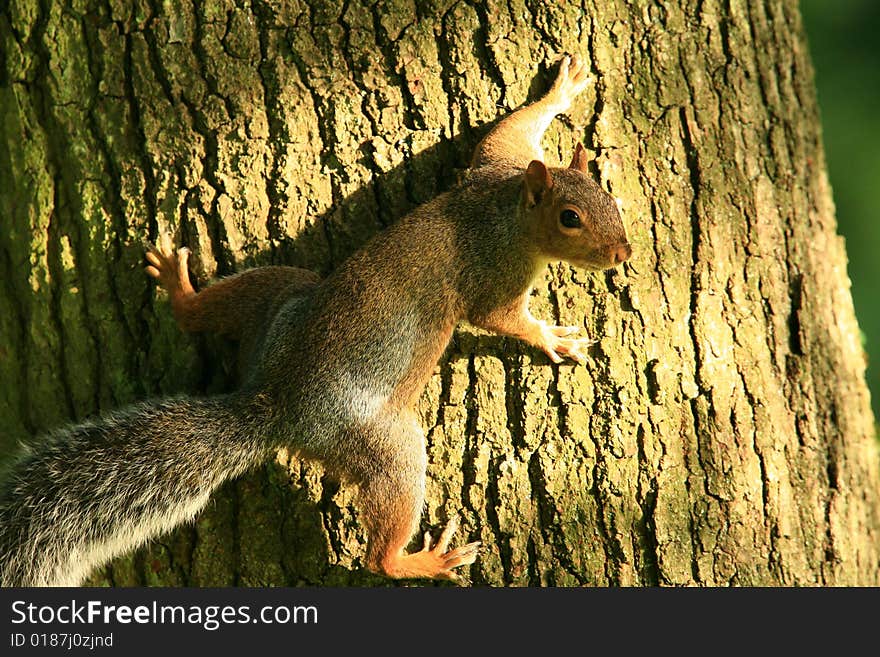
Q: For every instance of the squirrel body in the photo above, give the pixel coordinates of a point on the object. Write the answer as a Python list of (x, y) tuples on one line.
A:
[(331, 368)]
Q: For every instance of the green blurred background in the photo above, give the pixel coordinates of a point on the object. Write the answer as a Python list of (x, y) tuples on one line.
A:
[(844, 45)]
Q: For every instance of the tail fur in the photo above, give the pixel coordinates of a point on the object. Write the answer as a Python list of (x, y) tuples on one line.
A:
[(84, 494)]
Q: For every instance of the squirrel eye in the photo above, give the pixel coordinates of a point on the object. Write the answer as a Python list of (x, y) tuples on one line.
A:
[(569, 219)]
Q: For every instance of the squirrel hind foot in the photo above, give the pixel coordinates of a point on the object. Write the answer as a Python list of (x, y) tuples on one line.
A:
[(434, 560), (170, 270)]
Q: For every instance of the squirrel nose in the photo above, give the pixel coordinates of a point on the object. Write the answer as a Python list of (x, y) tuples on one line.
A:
[(620, 252)]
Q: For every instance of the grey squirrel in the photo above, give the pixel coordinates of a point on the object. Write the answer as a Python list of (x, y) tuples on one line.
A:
[(333, 370)]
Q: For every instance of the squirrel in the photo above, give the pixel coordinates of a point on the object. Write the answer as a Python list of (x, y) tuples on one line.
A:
[(333, 367)]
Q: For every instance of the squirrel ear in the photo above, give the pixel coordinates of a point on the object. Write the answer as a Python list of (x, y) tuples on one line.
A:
[(579, 160), (537, 181)]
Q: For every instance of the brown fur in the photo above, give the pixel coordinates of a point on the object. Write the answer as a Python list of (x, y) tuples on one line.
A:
[(331, 369), (344, 360)]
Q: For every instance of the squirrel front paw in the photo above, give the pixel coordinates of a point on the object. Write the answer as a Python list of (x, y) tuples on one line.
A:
[(555, 343), (572, 79)]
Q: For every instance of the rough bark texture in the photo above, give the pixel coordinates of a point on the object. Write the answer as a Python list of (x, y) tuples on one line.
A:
[(721, 433)]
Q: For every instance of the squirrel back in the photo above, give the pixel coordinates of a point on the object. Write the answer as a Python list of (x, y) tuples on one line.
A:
[(380, 322)]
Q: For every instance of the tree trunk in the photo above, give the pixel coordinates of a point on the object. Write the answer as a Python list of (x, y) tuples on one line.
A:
[(721, 432)]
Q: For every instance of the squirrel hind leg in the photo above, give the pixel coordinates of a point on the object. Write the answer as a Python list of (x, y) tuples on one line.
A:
[(392, 490), (239, 306)]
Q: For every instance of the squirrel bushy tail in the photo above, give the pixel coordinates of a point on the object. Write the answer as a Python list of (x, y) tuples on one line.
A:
[(81, 495)]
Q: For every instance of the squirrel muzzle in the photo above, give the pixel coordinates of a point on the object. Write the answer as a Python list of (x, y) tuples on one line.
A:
[(619, 252)]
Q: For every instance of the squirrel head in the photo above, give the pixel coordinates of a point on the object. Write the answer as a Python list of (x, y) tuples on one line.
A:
[(571, 217)]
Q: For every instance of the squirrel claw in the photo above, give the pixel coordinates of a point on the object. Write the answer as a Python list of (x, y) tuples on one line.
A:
[(556, 345), (447, 559), (463, 556), (447, 534), (573, 349)]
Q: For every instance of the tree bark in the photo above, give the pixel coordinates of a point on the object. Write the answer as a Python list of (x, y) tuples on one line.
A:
[(721, 432)]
